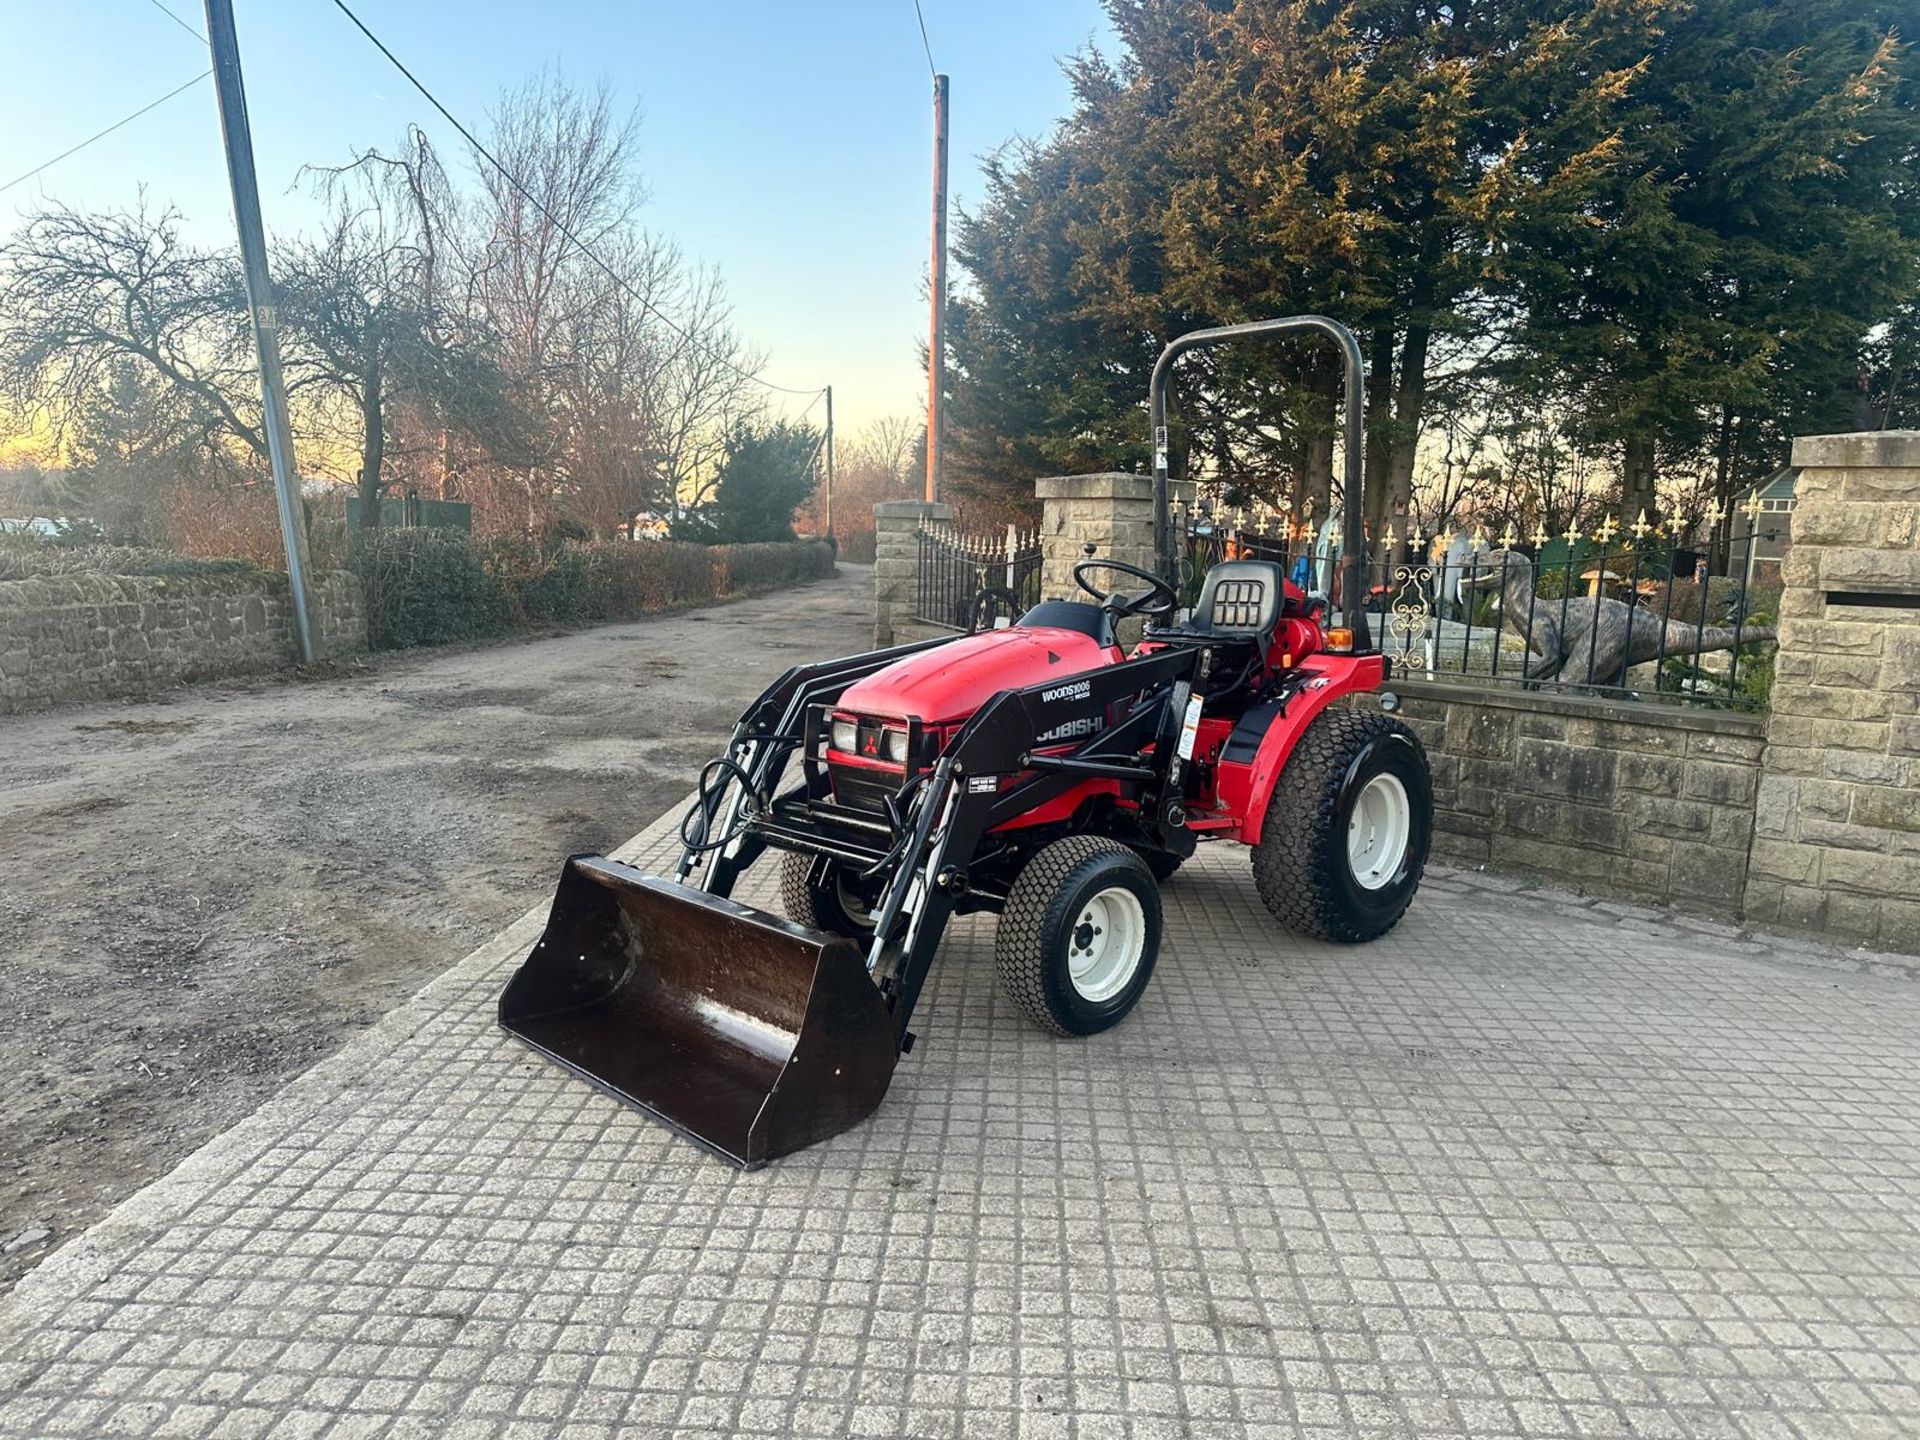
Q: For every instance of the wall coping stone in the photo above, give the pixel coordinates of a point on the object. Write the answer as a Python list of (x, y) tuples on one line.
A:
[(1109, 485), (1590, 707), (1862, 449), (929, 509)]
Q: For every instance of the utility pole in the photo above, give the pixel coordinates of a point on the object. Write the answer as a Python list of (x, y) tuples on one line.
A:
[(830, 539), (936, 344), (260, 301)]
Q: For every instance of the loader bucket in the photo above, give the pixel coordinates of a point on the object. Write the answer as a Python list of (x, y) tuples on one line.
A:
[(745, 1032)]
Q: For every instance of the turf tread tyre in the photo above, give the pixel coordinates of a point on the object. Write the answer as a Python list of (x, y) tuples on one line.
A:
[(1300, 866), (815, 906), (1031, 916)]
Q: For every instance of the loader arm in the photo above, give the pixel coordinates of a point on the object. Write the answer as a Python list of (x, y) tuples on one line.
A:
[(762, 742), (989, 775)]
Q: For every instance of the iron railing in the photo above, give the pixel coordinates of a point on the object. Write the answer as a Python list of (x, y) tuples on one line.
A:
[(1634, 613), (966, 580)]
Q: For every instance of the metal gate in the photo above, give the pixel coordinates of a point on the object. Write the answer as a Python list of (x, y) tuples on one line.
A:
[(975, 579), (1618, 610)]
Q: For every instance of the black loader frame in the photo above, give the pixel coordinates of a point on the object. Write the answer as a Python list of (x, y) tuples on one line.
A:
[(727, 1071)]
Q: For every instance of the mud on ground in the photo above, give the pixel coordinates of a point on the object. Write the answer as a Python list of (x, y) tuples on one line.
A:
[(202, 894)]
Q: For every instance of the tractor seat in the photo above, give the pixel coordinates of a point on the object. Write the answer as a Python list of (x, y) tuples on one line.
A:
[(1241, 599)]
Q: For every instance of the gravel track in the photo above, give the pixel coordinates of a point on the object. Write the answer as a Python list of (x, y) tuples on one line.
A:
[(204, 893)]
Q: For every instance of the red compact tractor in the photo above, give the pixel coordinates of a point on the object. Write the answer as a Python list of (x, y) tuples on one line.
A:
[(1038, 771)]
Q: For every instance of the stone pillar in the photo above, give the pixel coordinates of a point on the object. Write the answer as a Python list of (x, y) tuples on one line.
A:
[(1837, 828), (896, 553), (1112, 512)]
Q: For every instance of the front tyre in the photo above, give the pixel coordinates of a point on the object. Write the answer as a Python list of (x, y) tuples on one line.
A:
[(1347, 829), (833, 903), (1079, 935)]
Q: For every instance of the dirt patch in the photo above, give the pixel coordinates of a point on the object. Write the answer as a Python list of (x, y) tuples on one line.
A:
[(201, 897)]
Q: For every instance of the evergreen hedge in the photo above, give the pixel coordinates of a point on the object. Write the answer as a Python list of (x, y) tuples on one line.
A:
[(432, 587)]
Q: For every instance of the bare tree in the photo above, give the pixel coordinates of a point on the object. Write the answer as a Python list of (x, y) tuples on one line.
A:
[(702, 391), (522, 342), (876, 463), (80, 293), (366, 333), (573, 155)]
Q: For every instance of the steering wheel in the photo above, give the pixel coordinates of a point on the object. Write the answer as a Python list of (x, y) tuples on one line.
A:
[(1158, 602), (989, 603)]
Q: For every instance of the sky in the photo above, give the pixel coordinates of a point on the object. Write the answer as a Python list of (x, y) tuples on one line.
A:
[(788, 144)]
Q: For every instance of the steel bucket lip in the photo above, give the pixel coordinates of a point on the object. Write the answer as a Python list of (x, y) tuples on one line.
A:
[(845, 1012), (607, 1087)]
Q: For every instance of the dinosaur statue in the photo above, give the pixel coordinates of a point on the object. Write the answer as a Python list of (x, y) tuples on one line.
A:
[(1582, 640)]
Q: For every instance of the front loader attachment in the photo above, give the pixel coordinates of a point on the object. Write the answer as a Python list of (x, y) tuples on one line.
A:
[(743, 1031)]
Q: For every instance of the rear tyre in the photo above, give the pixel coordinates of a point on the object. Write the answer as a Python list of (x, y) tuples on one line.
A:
[(1348, 828), (834, 904), (1079, 935)]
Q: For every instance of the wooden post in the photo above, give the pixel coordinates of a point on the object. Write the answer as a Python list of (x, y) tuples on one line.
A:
[(936, 343)]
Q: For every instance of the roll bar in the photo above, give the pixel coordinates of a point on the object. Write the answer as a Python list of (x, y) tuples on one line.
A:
[(1353, 547)]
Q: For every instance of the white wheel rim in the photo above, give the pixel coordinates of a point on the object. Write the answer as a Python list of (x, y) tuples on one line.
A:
[(1106, 944), (1378, 832)]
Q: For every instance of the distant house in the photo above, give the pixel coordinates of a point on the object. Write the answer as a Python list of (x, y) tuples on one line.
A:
[(1773, 528)]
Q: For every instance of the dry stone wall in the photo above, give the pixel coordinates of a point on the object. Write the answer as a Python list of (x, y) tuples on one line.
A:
[(72, 638)]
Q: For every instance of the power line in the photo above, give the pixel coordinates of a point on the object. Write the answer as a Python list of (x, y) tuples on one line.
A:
[(178, 21), (127, 120), (932, 69), (557, 223)]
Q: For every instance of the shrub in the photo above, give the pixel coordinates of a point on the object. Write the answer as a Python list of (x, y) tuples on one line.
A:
[(426, 587)]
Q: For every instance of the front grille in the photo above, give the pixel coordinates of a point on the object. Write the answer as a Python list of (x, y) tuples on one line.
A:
[(861, 789)]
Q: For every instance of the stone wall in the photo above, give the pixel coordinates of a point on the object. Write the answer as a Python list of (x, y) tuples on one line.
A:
[(72, 638), (1837, 840), (896, 555), (1650, 801)]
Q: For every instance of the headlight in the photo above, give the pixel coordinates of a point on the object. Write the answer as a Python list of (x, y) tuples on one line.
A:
[(844, 735), (897, 746)]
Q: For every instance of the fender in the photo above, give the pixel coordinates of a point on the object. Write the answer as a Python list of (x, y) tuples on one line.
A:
[(1245, 784)]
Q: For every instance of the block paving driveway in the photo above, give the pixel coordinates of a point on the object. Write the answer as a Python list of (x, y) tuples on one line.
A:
[(1529, 1167)]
